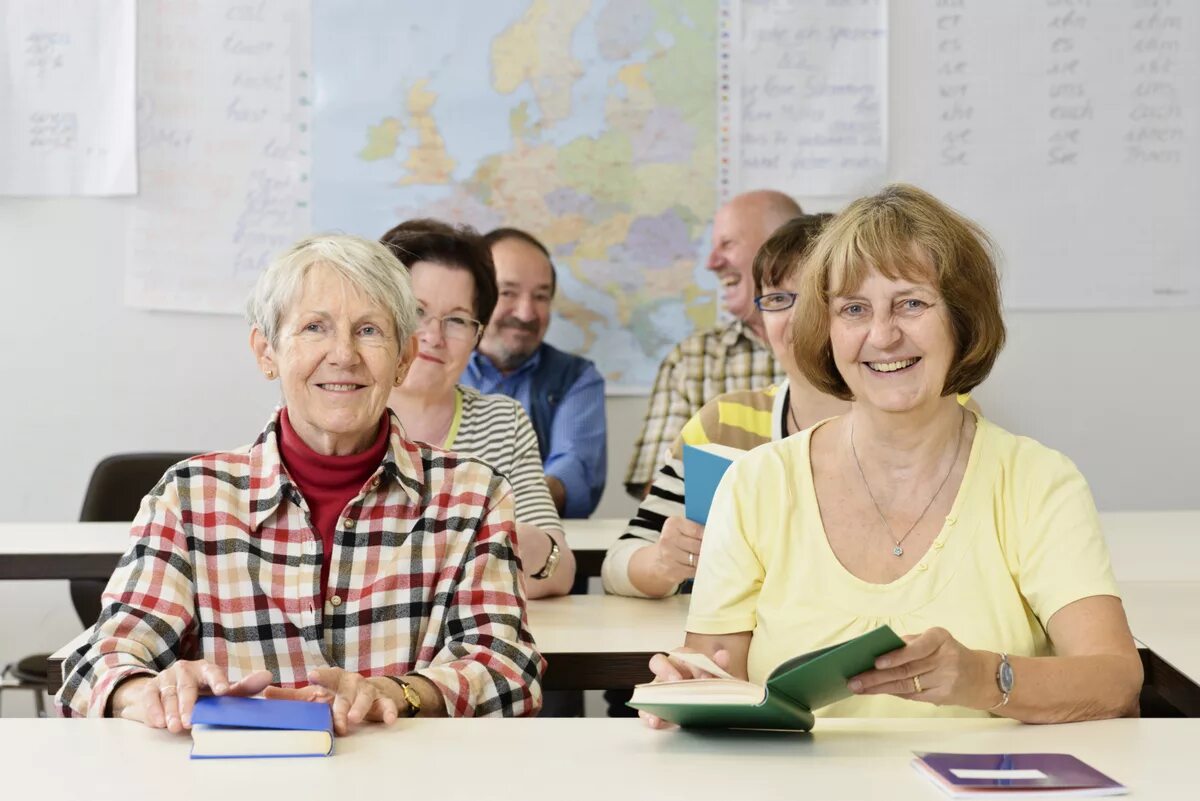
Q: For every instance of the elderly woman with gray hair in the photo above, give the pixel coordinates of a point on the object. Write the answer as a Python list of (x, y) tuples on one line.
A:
[(331, 560)]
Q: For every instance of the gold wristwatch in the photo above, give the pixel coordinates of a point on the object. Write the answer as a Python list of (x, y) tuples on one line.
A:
[(411, 696), (551, 561)]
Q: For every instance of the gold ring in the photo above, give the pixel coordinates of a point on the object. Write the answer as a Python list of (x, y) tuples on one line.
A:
[(917, 683), (691, 560)]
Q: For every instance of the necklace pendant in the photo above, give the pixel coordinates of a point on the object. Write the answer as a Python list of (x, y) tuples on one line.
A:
[(897, 551)]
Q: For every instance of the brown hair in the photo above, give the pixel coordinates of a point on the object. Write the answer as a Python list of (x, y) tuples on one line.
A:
[(458, 247), (500, 234), (904, 232), (780, 256)]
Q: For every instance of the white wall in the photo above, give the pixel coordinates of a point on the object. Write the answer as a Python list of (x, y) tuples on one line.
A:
[(85, 376)]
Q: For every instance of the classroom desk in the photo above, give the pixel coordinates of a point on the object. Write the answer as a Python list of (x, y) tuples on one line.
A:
[(1164, 617), (591, 642), (91, 550), (1145, 546), (580, 758)]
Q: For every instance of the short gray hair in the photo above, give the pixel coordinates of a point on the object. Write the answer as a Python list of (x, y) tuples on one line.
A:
[(367, 265)]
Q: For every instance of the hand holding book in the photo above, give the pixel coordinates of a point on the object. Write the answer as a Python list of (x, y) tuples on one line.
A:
[(945, 671), (684, 664)]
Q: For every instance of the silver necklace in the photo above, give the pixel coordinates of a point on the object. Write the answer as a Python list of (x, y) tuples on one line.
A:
[(898, 551)]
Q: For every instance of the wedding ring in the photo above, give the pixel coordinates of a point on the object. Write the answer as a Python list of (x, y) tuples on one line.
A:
[(691, 560), (917, 684)]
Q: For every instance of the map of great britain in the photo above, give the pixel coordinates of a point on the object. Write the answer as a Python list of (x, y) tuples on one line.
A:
[(590, 123)]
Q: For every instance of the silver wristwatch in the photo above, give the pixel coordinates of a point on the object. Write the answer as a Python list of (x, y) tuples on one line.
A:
[(1004, 680), (551, 561)]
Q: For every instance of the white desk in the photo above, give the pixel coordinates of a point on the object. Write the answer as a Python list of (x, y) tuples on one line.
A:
[(91, 550), (578, 759), (1153, 546), (1145, 546)]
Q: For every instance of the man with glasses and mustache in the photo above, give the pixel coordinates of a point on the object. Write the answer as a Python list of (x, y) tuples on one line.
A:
[(562, 393)]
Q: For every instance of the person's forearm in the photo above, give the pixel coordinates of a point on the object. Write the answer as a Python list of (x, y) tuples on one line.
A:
[(1061, 689), (645, 574), (564, 575)]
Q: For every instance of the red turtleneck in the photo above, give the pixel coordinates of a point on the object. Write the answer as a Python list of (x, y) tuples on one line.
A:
[(328, 483)]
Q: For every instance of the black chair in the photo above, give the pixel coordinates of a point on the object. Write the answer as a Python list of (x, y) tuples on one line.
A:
[(113, 495)]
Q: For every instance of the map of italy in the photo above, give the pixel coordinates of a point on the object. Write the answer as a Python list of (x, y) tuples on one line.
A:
[(589, 123)]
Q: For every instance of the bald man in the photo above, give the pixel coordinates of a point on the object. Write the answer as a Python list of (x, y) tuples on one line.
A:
[(731, 356)]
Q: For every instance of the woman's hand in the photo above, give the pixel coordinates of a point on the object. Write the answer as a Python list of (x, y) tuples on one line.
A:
[(166, 700), (665, 668), (677, 552), (945, 672), (354, 698)]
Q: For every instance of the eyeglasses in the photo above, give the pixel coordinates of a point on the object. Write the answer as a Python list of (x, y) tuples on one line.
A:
[(454, 326), (775, 301)]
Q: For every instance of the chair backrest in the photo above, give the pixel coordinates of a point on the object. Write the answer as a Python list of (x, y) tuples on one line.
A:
[(119, 483), (113, 495)]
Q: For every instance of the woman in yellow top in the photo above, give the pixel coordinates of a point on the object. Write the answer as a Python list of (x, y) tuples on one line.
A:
[(982, 548)]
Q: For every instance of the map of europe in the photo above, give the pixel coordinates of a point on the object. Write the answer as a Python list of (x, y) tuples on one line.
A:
[(589, 123)]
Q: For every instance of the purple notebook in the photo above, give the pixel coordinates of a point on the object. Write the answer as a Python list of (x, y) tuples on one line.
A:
[(1028, 775)]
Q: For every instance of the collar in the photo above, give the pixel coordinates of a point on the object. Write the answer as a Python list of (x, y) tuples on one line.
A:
[(270, 484), (735, 330)]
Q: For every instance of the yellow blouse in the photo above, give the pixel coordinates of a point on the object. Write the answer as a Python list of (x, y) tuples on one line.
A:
[(1022, 540)]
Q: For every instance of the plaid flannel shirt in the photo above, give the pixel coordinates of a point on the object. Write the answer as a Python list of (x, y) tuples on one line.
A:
[(701, 367), (224, 565)]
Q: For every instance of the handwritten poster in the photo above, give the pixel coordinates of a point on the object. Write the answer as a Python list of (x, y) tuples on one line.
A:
[(67, 97), (1076, 149), (804, 95), (223, 138)]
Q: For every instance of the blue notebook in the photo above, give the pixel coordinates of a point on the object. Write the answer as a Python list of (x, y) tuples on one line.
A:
[(230, 726), (703, 467), (1009, 775)]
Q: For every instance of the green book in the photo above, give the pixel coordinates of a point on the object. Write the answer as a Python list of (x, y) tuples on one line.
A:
[(795, 688)]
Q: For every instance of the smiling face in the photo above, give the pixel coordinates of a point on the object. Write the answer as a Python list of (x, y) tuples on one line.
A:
[(337, 359), (892, 342), (441, 292), (522, 313), (738, 233)]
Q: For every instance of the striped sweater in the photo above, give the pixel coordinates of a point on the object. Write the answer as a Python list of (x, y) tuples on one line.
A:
[(495, 429)]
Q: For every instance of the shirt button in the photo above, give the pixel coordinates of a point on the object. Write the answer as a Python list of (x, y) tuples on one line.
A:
[(922, 566), (951, 520), (938, 545), (335, 600), (347, 523)]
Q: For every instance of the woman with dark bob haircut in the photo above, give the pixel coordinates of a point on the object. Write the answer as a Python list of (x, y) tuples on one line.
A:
[(981, 548)]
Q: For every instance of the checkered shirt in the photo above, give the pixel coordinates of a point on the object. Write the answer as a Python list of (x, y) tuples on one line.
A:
[(224, 565), (701, 367)]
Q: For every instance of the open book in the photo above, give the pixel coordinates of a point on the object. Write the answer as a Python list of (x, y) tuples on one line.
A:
[(703, 467), (230, 726), (792, 691)]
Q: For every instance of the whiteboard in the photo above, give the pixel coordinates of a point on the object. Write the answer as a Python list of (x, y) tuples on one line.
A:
[(1067, 128), (1081, 154)]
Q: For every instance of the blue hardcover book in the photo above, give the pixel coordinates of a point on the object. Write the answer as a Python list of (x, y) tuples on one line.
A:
[(230, 726), (1026, 775), (703, 467)]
